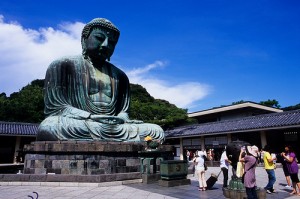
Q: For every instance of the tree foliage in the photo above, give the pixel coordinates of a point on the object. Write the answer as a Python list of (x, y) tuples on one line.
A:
[(144, 107), (289, 108), (238, 102), (24, 106), (270, 103)]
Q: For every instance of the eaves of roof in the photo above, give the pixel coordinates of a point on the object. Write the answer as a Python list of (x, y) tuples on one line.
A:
[(234, 107), (18, 129), (287, 119)]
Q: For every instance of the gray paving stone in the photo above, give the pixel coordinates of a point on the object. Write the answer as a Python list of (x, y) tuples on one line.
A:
[(14, 190)]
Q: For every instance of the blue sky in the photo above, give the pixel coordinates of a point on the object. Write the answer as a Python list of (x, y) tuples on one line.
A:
[(197, 54)]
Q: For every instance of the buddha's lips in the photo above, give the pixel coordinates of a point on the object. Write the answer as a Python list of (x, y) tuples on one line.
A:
[(103, 53)]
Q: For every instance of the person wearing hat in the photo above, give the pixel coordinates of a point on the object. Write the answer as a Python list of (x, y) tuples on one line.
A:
[(269, 166), (251, 160), (200, 170)]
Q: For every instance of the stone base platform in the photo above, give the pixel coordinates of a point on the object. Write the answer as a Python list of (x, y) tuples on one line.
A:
[(87, 161), (82, 158), (69, 178), (150, 178)]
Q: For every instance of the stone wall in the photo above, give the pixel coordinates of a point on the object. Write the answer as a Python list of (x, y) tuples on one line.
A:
[(82, 158), (87, 164)]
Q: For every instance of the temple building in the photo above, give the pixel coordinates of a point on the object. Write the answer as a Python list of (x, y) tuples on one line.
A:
[(251, 122)]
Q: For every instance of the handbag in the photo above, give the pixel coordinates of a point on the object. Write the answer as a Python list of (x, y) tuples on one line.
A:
[(243, 176)]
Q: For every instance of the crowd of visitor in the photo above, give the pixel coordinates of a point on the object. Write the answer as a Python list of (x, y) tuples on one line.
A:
[(250, 157)]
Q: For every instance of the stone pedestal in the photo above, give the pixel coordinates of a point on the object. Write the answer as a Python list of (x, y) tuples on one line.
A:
[(150, 178), (86, 161), (150, 164), (82, 158), (236, 190)]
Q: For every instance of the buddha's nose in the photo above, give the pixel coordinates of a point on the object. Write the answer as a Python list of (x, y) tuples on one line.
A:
[(105, 43)]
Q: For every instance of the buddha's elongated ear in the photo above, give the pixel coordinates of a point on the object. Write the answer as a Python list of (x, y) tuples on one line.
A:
[(83, 46)]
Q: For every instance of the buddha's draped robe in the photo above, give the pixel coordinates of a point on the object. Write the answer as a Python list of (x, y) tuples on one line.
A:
[(69, 104)]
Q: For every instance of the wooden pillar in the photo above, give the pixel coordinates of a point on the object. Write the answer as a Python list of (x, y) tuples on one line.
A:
[(228, 138), (17, 147), (202, 143), (263, 139)]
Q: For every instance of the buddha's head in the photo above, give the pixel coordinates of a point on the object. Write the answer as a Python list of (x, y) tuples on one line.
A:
[(99, 38)]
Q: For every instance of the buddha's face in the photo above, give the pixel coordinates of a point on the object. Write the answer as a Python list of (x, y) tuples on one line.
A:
[(100, 44)]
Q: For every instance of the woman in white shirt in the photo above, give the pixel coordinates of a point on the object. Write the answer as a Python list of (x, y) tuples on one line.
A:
[(200, 170), (224, 164)]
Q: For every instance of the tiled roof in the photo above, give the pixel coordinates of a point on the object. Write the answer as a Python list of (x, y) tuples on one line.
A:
[(285, 119), (17, 128)]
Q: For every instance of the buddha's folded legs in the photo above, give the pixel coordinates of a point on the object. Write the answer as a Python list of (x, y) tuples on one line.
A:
[(56, 128), (153, 130)]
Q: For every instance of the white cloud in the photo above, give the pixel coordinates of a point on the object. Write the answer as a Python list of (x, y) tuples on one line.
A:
[(140, 71), (182, 95), (26, 54)]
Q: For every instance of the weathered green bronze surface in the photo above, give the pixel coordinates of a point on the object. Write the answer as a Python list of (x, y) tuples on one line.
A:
[(87, 98), (173, 169)]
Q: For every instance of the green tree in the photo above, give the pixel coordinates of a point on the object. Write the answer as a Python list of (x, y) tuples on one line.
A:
[(24, 106), (290, 108), (238, 102), (3, 105), (144, 107), (270, 103)]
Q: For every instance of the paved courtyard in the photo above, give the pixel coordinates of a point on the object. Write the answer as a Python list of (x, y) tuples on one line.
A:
[(17, 190)]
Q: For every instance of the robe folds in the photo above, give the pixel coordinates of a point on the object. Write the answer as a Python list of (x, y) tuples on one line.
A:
[(68, 105)]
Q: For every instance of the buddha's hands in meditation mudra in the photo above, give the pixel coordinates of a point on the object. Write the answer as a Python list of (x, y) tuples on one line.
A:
[(107, 119), (87, 98), (113, 119)]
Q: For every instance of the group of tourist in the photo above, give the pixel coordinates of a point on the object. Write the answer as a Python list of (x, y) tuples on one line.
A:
[(200, 168), (289, 165), (209, 154), (250, 157)]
